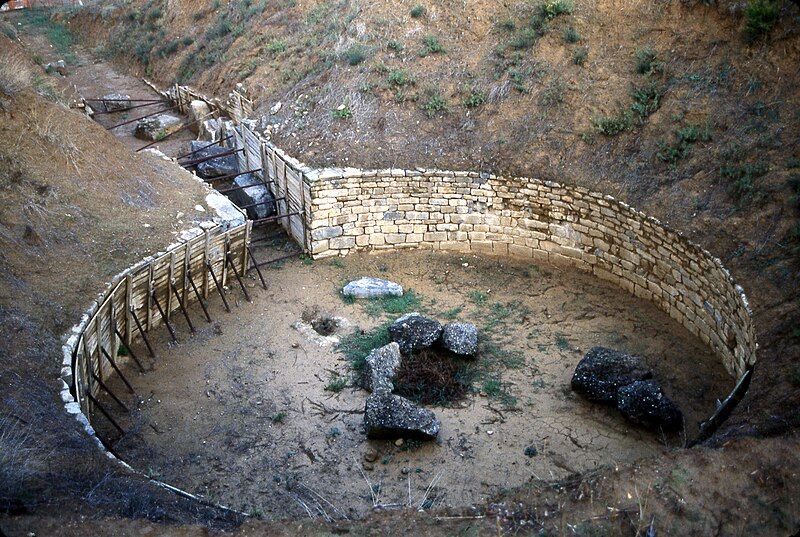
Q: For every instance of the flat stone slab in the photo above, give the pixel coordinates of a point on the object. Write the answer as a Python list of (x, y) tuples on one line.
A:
[(381, 367), (460, 338), (603, 371), (372, 288), (156, 128), (388, 416)]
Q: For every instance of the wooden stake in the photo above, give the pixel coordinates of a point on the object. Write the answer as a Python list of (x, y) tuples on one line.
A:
[(142, 332)]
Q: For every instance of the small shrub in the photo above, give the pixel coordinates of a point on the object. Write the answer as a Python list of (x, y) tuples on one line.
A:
[(342, 112), (435, 104), (646, 99), (399, 77), (280, 417), (276, 46), (396, 46), (394, 305), (507, 24), (612, 125), (431, 45), (518, 80), (359, 343), (418, 11), (571, 35), (647, 61), (336, 384), (553, 8), (684, 138), (475, 99), (553, 94), (759, 18), (524, 39), (742, 177), (355, 54), (477, 297), (580, 56)]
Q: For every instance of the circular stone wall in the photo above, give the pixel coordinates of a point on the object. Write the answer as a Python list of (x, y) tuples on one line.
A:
[(353, 209)]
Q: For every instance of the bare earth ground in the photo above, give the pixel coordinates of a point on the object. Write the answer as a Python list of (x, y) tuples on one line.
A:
[(205, 417)]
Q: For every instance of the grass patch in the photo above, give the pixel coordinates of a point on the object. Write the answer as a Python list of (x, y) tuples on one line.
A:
[(646, 99), (580, 56), (742, 178), (431, 45), (355, 54), (276, 46), (342, 112), (571, 35), (475, 98), (553, 8), (613, 125), (680, 147), (435, 105), (524, 39), (400, 78), (359, 343), (393, 305), (647, 61), (452, 313), (280, 417), (760, 17), (336, 384), (477, 297), (562, 342), (418, 11)]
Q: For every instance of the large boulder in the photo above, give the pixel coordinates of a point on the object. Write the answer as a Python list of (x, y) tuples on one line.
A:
[(156, 128), (258, 193), (644, 403), (210, 130), (389, 416), (116, 102), (415, 332), (380, 368), (215, 167), (368, 287), (460, 338), (198, 111), (603, 371)]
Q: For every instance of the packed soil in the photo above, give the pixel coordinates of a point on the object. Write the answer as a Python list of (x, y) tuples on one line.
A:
[(243, 413)]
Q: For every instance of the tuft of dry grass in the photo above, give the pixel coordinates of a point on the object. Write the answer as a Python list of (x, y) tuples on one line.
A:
[(15, 73)]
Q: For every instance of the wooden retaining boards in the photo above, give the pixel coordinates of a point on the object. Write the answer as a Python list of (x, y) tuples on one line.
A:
[(131, 293)]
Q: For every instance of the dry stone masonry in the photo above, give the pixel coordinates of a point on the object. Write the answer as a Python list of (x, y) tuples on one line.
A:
[(353, 209)]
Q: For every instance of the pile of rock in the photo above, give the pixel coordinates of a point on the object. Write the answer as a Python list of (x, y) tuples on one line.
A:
[(623, 380), (250, 191), (390, 416)]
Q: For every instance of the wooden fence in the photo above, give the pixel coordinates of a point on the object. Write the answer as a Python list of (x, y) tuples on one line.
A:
[(144, 297)]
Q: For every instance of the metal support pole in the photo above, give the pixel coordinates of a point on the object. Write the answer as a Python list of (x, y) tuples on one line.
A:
[(219, 288), (139, 118), (190, 153), (164, 317), (105, 413), (194, 162), (109, 392), (183, 309), (199, 297), (114, 365), (144, 335), (258, 270), (238, 278), (127, 347)]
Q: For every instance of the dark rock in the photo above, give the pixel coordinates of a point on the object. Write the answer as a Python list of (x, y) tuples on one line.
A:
[(372, 288), (603, 371), (380, 368), (644, 403), (460, 338), (258, 193), (415, 332), (216, 167), (531, 451), (389, 416), (156, 128)]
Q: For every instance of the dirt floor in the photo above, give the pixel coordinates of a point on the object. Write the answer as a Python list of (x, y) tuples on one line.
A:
[(248, 413)]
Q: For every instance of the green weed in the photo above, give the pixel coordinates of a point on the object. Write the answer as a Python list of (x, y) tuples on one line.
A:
[(431, 45), (358, 344), (477, 297), (571, 35), (647, 61), (760, 17), (475, 98), (580, 56), (417, 11)]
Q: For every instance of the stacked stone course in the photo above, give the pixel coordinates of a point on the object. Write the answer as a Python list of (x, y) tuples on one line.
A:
[(543, 221)]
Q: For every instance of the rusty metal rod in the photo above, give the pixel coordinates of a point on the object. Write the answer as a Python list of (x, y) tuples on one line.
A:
[(273, 218), (230, 176), (130, 350), (129, 108), (195, 162), (124, 100), (180, 303), (138, 118), (255, 266), (279, 259), (199, 298), (275, 200), (109, 392), (163, 316), (117, 369), (183, 128), (190, 153), (238, 278), (105, 413), (142, 332), (219, 287), (226, 190)]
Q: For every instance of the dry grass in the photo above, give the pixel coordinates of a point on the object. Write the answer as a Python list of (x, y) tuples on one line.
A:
[(15, 73)]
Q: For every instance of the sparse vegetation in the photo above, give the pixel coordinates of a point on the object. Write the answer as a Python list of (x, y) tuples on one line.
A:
[(435, 105), (431, 45), (475, 98), (580, 56), (342, 112), (571, 35), (742, 178), (680, 147), (393, 305), (553, 8), (400, 78), (355, 54), (336, 384), (279, 417), (276, 46), (647, 61), (418, 11), (359, 343), (760, 17)]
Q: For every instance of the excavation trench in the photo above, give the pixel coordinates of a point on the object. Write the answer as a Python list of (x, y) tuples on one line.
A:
[(253, 413)]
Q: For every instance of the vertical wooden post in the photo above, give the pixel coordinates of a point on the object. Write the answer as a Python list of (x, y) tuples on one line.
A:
[(187, 258), (98, 335), (243, 129), (226, 249), (206, 263), (112, 322), (303, 218), (87, 362), (149, 319), (246, 243), (264, 167), (128, 306), (170, 277)]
